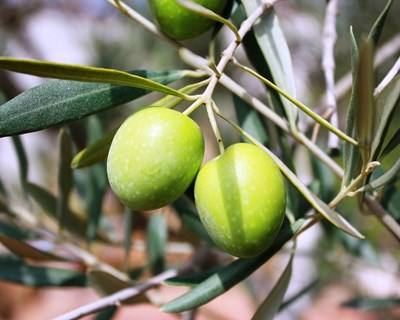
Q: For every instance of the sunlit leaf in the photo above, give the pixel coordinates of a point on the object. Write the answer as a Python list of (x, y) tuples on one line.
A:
[(58, 101), (83, 73), (97, 151), (273, 44)]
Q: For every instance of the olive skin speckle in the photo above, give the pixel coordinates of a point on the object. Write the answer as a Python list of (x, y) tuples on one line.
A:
[(153, 158), (241, 200)]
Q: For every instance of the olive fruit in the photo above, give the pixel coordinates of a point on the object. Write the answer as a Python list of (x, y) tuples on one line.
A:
[(154, 157), (180, 23), (240, 196)]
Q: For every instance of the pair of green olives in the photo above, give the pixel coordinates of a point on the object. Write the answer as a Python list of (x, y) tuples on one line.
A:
[(180, 23), (240, 195)]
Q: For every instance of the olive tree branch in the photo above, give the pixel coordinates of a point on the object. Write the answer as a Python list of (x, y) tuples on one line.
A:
[(343, 85), (118, 297)]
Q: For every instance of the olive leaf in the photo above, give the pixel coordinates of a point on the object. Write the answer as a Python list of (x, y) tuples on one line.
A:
[(27, 250), (226, 277), (65, 182), (351, 154), (83, 73), (58, 101), (156, 241), (107, 283), (97, 151), (270, 306), (17, 271), (273, 45)]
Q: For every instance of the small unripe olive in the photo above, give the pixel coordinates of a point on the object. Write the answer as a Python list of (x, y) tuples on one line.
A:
[(240, 196), (180, 23), (154, 157)]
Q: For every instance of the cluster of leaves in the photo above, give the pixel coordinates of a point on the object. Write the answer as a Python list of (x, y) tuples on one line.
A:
[(83, 91)]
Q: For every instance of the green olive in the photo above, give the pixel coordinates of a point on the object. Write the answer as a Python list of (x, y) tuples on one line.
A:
[(154, 157), (240, 196), (180, 23)]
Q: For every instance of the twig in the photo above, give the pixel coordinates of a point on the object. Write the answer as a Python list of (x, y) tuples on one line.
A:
[(328, 65), (343, 85), (385, 218), (118, 297), (231, 49), (394, 71)]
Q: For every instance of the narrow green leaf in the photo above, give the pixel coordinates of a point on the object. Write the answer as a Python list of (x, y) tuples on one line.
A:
[(156, 242), (83, 73), (190, 218), (22, 161), (48, 202), (372, 304), (385, 102), (94, 153), (249, 119), (64, 176), (106, 283), (193, 279), (298, 294), (376, 30), (107, 314), (270, 306), (58, 101), (365, 108), (128, 228), (393, 143), (351, 154), (10, 229), (227, 277), (17, 271), (273, 44), (172, 101), (95, 182), (384, 179), (25, 250)]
